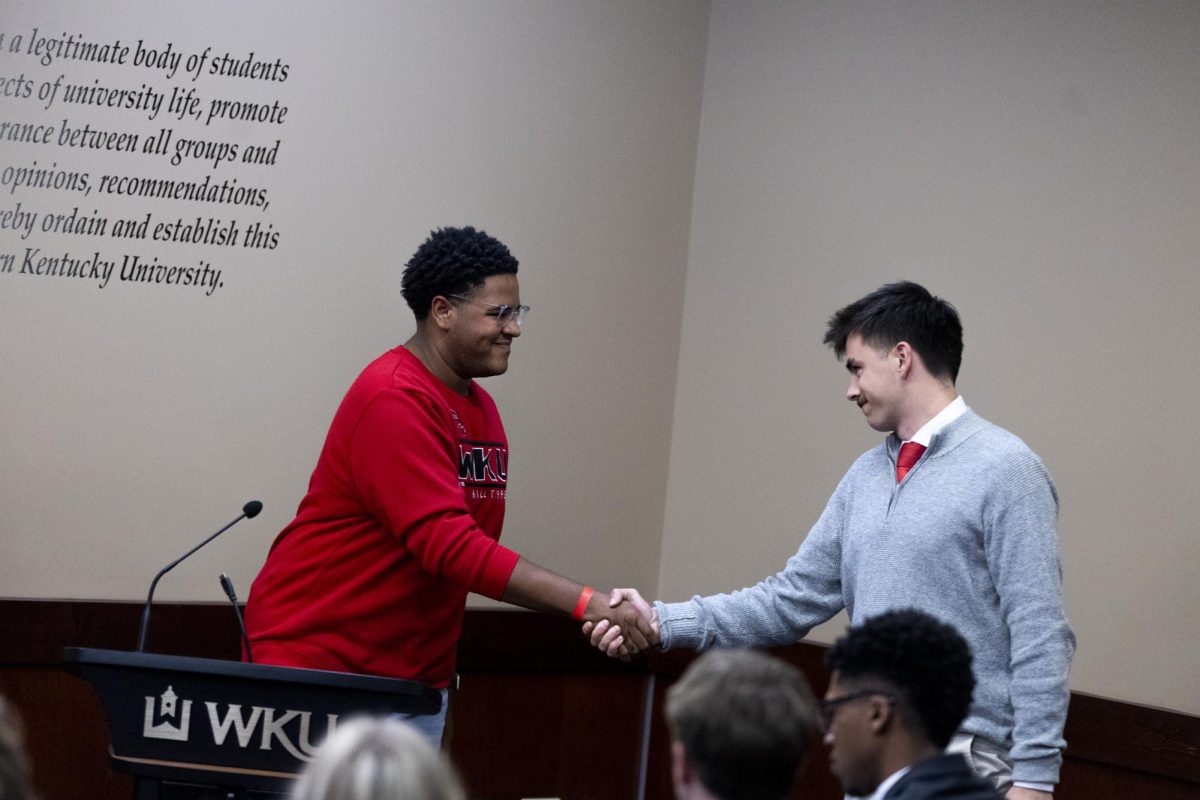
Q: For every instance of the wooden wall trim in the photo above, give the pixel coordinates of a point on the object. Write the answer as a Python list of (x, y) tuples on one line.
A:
[(1136, 737), (33, 632)]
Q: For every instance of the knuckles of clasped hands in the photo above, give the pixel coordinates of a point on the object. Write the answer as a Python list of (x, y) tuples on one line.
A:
[(631, 630)]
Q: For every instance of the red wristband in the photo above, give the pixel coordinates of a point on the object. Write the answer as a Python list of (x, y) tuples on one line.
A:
[(581, 603)]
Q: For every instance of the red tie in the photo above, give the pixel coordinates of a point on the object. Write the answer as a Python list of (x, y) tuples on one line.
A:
[(910, 453)]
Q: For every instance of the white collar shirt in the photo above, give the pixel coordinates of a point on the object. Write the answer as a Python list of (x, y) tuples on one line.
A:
[(956, 409)]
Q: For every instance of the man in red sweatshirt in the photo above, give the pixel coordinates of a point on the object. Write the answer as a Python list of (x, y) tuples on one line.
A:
[(404, 509)]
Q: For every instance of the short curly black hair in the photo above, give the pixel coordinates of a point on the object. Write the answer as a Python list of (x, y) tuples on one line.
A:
[(923, 660), (452, 261)]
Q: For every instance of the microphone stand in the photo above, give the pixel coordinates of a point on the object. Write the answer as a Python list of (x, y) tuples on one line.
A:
[(227, 585), (251, 509)]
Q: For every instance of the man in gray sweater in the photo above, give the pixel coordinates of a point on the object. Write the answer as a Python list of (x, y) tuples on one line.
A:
[(950, 515)]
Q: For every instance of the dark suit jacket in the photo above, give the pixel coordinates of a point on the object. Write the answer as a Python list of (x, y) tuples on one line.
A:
[(944, 777)]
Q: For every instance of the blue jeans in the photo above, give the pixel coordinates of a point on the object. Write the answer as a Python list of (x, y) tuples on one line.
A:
[(430, 725)]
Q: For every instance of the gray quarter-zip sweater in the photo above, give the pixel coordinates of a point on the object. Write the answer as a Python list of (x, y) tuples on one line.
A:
[(970, 537)]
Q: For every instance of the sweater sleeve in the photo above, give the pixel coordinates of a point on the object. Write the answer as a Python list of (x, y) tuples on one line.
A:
[(778, 610), (1021, 546), (403, 467)]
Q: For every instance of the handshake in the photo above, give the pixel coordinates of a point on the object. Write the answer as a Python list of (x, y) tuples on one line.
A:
[(622, 625)]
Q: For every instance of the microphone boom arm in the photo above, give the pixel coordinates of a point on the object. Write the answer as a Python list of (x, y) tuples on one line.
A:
[(251, 509)]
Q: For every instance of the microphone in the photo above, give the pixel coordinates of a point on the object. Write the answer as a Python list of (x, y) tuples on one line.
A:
[(227, 585), (249, 511)]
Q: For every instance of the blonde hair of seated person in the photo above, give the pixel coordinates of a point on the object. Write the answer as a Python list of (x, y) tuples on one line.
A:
[(377, 758)]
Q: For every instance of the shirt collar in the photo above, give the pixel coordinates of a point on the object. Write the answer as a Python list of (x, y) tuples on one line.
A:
[(956, 409), (888, 783)]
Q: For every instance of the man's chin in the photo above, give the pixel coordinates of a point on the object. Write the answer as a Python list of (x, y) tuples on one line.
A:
[(494, 367), (879, 424), (855, 790)]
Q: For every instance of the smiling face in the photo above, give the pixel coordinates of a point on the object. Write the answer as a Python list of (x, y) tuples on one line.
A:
[(875, 384), (476, 345)]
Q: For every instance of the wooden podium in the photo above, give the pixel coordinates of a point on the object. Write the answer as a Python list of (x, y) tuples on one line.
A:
[(198, 728)]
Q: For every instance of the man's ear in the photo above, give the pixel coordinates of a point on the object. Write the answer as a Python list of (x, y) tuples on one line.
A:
[(904, 355), (681, 771), (442, 312), (883, 714)]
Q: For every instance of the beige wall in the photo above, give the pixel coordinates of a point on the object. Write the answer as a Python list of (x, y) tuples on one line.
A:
[(139, 419), (1036, 163)]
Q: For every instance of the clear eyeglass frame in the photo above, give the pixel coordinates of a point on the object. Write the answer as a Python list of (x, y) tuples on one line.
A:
[(504, 314)]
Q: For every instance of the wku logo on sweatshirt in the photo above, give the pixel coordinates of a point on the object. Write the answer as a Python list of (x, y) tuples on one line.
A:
[(482, 463)]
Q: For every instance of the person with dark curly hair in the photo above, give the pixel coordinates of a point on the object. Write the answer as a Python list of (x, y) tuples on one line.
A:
[(951, 514), (901, 686), (405, 506)]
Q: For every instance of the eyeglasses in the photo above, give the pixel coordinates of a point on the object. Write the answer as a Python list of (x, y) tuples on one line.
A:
[(503, 314), (830, 706)]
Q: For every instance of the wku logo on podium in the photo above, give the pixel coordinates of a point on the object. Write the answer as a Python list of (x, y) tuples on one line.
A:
[(172, 722), (261, 727)]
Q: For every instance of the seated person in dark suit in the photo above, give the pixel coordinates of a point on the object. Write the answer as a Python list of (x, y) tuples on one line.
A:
[(901, 686)]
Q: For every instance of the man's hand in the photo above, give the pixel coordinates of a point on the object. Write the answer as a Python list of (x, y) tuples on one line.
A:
[(608, 635), (537, 588), (639, 635), (1021, 793)]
